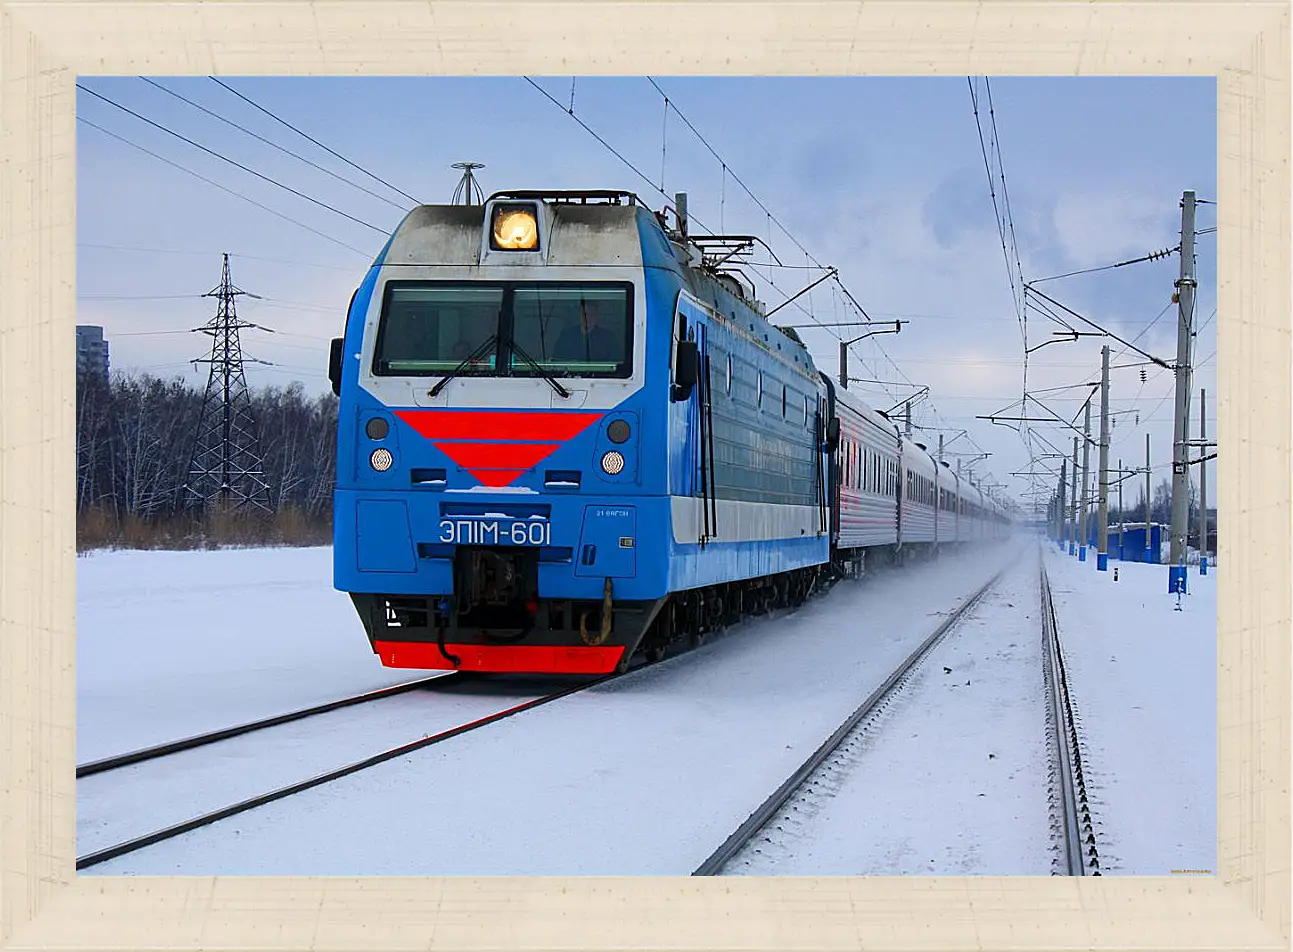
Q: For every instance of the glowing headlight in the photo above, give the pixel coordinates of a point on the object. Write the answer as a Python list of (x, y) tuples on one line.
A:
[(381, 459), (613, 463), (515, 228)]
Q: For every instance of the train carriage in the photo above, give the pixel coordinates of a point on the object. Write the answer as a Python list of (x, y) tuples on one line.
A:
[(917, 513), (865, 477)]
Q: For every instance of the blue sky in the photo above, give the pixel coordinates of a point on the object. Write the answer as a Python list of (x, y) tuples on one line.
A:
[(883, 178)]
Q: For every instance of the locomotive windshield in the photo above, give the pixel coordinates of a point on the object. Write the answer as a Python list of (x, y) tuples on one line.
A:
[(564, 329)]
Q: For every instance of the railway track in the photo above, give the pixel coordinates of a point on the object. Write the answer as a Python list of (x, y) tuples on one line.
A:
[(149, 839), (144, 754), (1079, 855), (714, 864)]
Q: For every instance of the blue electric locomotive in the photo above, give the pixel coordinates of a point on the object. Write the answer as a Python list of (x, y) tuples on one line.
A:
[(568, 434)]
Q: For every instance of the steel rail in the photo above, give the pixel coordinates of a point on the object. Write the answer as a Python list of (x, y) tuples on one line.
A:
[(149, 839), (117, 761), (1075, 815), (714, 863)]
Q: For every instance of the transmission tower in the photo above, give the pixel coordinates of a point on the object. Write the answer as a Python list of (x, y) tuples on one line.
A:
[(468, 188), (226, 464)]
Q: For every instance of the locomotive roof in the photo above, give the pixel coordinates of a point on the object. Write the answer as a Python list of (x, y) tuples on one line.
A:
[(580, 235)]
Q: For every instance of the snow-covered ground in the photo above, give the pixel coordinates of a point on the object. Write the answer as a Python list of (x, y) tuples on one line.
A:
[(951, 778), (204, 779), (1143, 679), (643, 775), (170, 644)]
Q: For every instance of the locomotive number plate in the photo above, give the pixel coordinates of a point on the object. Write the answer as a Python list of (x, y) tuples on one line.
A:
[(462, 530)]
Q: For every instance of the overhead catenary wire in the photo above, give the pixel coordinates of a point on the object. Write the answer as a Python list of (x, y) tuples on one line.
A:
[(306, 135), (770, 218), (225, 158), (272, 144), (651, 184), (1152, 256), (232, 254), (223, 188)]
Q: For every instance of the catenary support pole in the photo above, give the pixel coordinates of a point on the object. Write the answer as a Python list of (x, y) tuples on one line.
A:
[(1074, 505), (1086, 482), (1149, 508), (1122, 513), (1102, 525), (1176, 581), (1203, 483), (1060, 521)]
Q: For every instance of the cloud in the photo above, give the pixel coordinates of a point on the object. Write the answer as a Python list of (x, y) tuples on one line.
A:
[(959, 208), (1094, 228)]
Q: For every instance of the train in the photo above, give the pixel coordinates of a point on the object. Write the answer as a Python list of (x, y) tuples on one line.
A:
[(569, 435)]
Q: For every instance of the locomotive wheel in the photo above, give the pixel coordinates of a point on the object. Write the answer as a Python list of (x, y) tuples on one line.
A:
[(656, 653)]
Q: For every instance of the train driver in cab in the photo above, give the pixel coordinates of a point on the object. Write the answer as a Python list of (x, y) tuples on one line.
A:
[(588, 340)]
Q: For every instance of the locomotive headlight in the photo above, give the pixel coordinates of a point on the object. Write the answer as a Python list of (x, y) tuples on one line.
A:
[(381, 459), (612, 463), (515, 227)]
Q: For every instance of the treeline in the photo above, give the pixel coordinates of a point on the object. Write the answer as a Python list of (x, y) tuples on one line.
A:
[(134, 441)]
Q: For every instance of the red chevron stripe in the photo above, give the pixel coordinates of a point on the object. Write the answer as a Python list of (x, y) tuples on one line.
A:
[(517, 456), (496, 477), (498, 424)]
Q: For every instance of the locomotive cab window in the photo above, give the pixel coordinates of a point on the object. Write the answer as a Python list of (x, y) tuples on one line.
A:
[(505, 329)]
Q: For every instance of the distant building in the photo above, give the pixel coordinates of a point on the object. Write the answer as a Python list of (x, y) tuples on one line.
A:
[(91, 351)]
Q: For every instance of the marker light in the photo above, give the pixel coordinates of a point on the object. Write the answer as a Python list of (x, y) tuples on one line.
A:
[(381, 459), (613, 463), (515, 228), (377, 428), (618, 431)]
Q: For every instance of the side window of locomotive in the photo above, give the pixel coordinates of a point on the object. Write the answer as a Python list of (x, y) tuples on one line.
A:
[(429, 329), (572, 330)]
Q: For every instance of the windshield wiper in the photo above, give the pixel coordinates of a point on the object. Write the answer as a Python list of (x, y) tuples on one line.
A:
[(474, 355), (562, 391)]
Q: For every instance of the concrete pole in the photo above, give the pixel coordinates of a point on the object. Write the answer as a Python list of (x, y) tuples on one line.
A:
[(1149, 509), (1102, 526), (1073, 506), (844, 366), (1203, 483), (1176, 581), (908, 414), (1122, 513), (1059, 504), (1086, 480)]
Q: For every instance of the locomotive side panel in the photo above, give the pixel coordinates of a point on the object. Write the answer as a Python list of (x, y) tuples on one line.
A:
[(747, 498)]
